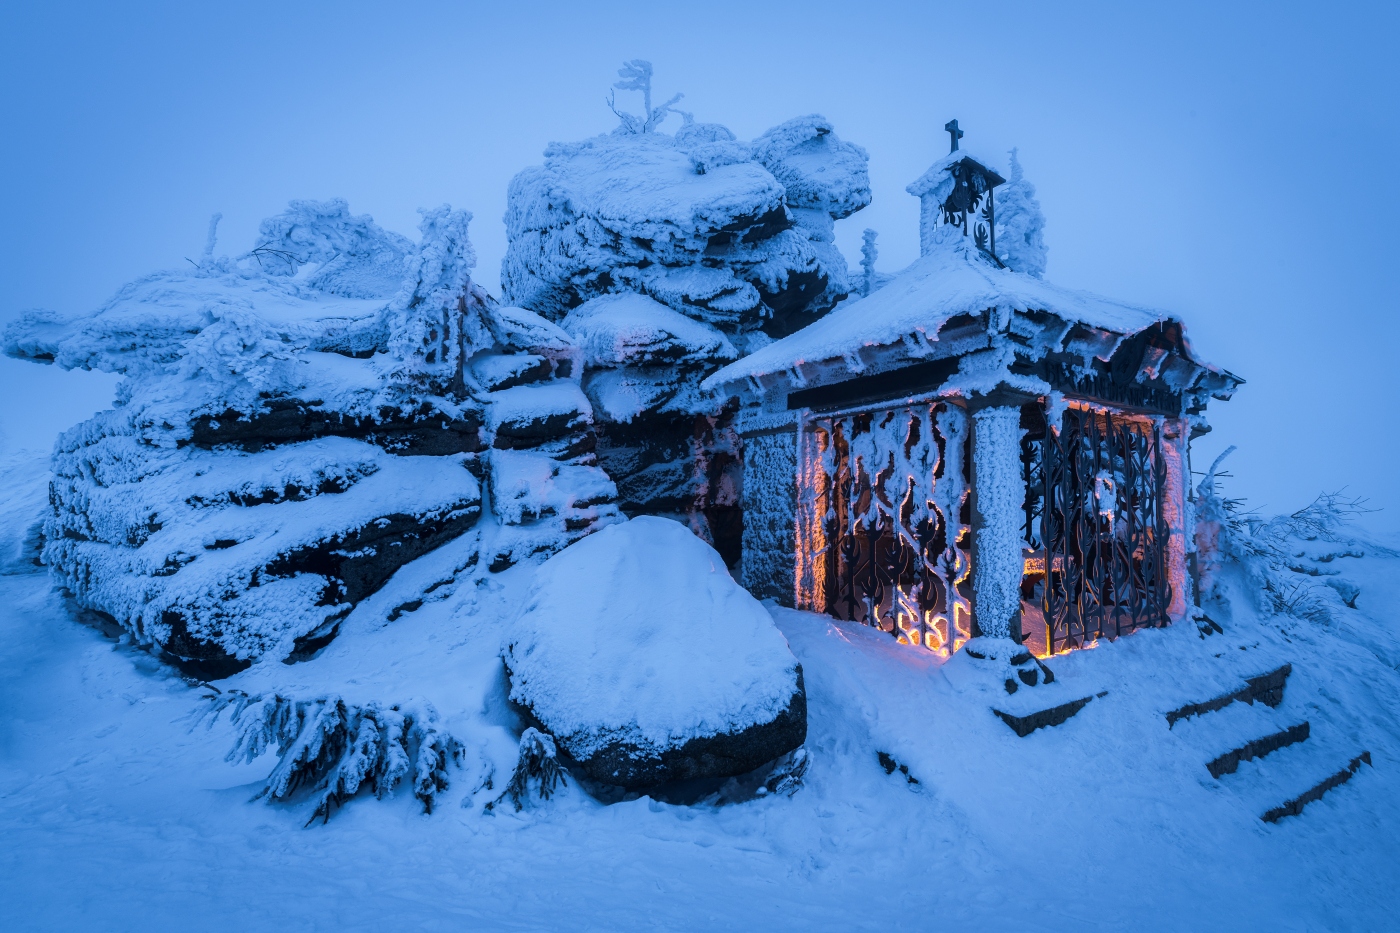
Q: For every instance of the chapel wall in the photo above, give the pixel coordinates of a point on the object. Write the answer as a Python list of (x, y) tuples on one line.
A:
[(770, 516)]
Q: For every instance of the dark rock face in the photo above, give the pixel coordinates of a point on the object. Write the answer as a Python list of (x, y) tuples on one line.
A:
[(426, 432), (713, 756), (363, 560)]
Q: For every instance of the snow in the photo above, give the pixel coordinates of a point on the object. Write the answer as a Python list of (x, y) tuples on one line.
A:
[(149, 322), (104, 777), (952, 279), (707, 225), (520, 405), (615, 330), (182, 537), (817, 169), (638, 634)]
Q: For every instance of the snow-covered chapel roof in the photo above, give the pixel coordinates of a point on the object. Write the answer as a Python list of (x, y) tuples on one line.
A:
[(954, 280)]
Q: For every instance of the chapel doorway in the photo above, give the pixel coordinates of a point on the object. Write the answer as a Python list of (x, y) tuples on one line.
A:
[(1096, 530)]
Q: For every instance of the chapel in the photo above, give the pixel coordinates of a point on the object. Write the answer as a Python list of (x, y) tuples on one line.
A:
[(969, 450)]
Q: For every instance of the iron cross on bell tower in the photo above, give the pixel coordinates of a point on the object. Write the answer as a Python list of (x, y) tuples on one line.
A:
[(951, 128)]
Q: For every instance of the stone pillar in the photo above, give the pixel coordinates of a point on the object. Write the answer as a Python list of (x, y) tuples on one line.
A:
[(770, 514), (1175, 435), (812, 504), (998, 500)]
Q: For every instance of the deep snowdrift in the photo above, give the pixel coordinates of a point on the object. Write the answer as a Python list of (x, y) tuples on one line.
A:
[(103, 778)]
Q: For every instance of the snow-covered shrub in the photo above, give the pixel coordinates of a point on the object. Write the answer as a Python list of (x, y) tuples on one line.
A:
[(538, 765), (346, 255), (1290, 562), (647, 663), (294, 427)]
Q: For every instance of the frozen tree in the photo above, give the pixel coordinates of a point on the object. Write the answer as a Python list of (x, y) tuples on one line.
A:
[(437, 319), (1020, 224), (636, 76), (868, 255), (211, 239)]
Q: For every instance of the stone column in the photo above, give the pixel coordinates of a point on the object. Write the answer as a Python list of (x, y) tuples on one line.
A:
[(770, 514), (1174, 437), (998, 500), (811, 499)]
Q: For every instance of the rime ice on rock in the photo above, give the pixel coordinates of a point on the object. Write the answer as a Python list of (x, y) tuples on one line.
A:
[(736, 237), (296, 424)]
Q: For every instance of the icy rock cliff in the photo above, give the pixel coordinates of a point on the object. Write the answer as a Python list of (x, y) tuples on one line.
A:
[(299, 422), (648, 664), (734, 234), (735, 239)]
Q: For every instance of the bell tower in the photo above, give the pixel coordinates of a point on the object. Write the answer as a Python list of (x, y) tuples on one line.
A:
[(957, 191)]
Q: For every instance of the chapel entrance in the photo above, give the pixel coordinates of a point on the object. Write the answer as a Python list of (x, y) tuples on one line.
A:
[(1096, 528)]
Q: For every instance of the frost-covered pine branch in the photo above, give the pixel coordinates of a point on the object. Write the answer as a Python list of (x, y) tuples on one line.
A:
[(538, 765), (335, 749)]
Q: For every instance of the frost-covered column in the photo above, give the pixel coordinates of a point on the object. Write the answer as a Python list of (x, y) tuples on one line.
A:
[(1175, 434), (770, 512), (998, 498), (812, 504)]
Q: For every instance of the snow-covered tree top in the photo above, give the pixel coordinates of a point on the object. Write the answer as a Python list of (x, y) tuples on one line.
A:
[(953, 279)]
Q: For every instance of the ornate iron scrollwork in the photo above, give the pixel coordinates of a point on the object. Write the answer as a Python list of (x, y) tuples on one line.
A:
[(1097, 529), (896, 517)]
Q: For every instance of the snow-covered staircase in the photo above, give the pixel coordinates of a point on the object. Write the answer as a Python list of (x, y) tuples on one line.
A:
[(1270, 757)]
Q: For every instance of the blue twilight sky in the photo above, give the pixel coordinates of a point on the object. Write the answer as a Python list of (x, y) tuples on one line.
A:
[(1232, 163)]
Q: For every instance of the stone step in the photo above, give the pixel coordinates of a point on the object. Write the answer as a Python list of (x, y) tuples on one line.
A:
[(1266, 688), (1023, 723), (1293, 776), (1239, 732), (1295, 805), (1229, 762)]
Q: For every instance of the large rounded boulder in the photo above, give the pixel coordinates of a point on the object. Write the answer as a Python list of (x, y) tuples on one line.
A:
[(648, 664)]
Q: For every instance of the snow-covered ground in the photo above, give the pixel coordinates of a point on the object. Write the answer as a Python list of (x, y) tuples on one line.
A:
[(119, 812)]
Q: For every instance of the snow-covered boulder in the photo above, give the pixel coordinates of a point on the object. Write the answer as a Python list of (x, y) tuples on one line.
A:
[(648, 664), (298, 423), (699, 221)]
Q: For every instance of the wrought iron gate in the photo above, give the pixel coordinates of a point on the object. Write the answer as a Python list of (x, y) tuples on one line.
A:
[(897, 522), (1096, 525)]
